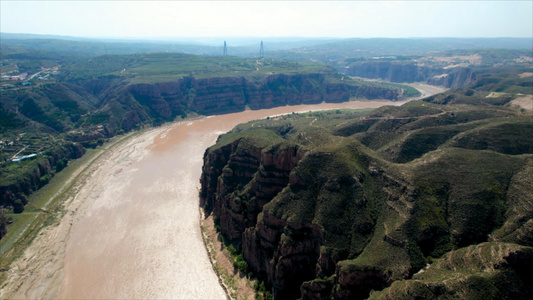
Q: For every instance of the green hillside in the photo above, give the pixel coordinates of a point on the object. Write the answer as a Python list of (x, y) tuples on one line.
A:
[(156, 67), (360, 201)]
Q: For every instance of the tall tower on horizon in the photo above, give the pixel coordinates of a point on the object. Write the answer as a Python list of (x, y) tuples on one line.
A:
[(225, 49), (261, 51)]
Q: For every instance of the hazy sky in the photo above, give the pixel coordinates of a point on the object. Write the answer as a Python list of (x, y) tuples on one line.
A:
[(269, 18)]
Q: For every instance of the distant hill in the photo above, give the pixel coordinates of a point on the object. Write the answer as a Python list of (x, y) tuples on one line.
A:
[(108, 47), (244, 47), (295, 48), (373, 47), (453, 68)]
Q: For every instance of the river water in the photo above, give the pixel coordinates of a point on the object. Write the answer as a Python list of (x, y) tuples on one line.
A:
[(138, 235)]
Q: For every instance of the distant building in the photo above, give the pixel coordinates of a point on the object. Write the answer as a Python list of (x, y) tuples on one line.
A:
[(21, 158), (21, 76)]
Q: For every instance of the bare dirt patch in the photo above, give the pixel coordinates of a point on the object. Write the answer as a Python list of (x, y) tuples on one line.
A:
[(495, 95), (459, 60), (524, 103)]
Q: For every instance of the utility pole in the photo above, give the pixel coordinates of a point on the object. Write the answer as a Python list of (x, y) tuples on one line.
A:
[(225, 49), (261, 51)]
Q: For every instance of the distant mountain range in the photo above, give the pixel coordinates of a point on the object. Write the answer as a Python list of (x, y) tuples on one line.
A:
[(296, 48)]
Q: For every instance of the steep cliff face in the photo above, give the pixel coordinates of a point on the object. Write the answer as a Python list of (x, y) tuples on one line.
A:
[(454, 79), (219, 95), (390, 71), (278, 90), (241, 178), (411, 72), (319, 216), (296, 216)]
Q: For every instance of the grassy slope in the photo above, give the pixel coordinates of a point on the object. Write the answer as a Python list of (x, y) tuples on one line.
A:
[(484, 271), (455, 193)]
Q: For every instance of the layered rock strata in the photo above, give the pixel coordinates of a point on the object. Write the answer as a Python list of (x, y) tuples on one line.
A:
[(226, 94), (317, 214)]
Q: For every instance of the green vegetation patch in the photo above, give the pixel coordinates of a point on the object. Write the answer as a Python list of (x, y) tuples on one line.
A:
[(484, 271), (508, 137), (157, 67), (259, 137), (407, 91)]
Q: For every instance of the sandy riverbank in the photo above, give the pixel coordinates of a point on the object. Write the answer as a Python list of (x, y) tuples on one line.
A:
[(39, 272), (132, 226)]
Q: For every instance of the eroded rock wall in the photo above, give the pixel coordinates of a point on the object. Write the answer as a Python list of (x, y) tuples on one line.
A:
[(411, 72), (228, 94), (320, 216)]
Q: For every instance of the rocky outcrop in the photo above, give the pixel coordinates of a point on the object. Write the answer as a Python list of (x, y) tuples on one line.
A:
[(285, 254), (227, 94), (264, 173), (454, 79), (390, 71), (316, 289), (357, 283), (316, 214), (408, 72), (252, 191)]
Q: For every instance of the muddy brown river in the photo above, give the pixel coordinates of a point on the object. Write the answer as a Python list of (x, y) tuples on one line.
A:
[(140, 236)]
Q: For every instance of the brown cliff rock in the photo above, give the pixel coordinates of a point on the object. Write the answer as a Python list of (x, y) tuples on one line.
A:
[(228, 94), (329, 218), (266, 172), (317, 289)]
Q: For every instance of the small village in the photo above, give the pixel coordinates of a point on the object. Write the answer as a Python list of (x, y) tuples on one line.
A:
[(12, 77), (22, 147)]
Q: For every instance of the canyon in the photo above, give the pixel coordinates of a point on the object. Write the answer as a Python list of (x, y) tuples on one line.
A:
[(344, 205), (139, 103), (131, 230)]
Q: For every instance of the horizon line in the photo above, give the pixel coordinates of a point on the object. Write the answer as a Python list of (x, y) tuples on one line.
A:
[(169, 38)]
